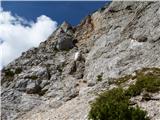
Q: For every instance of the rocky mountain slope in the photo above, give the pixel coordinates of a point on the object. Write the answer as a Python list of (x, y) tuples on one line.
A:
[(59, 79)]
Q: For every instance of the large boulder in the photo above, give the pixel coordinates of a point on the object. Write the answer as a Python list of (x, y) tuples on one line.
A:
[(65, 42)]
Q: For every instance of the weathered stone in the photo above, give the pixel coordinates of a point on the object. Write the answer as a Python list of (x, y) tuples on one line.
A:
[(33, 88), (21, 84), (71, 67), (44, 83), (64, 42)]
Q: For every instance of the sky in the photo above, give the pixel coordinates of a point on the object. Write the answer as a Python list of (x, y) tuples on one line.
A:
[(24, 25), (71, 11)]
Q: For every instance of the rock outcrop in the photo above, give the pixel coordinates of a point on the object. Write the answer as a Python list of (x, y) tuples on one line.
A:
[(51, 83)]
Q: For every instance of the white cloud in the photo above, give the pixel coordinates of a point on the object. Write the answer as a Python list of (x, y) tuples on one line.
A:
[(18, 35)]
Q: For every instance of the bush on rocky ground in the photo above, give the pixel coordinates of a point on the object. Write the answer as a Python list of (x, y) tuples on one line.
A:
[(9, 73), (115, 104)]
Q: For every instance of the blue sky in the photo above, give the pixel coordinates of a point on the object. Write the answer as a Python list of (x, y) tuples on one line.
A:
[(71, 11)]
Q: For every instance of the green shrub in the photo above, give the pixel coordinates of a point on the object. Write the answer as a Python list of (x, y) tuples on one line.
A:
[(18, 70), (150, 83), (114, 105), (99, 77), (134, 90), (9, 73)]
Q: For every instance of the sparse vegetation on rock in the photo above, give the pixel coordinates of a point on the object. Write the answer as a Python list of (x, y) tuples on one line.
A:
[(33, 77), (114, 104)]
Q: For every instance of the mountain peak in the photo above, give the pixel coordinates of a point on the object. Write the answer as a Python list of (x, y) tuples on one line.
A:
[(65, 26), (59, 79)]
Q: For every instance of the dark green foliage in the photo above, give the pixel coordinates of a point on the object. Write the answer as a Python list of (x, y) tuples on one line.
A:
[(114, 105), (137, 114), (99, 77), (33, 77), (18, 70), (134, 90), (9, 73)]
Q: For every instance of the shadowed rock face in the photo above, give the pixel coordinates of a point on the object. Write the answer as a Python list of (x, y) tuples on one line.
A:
[(50, 84), (64, 42)]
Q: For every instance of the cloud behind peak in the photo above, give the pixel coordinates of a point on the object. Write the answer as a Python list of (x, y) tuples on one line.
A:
[(18, 34)]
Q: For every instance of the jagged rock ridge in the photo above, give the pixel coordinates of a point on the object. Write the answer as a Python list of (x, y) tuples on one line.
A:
[(49, 83)]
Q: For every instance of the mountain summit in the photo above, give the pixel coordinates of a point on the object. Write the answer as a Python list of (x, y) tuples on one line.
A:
[(116, 46)]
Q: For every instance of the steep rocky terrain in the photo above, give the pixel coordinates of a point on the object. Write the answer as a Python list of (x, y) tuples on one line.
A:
[(58, 80)]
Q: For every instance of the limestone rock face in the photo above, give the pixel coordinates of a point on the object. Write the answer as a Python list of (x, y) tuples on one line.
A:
[(50, 83)]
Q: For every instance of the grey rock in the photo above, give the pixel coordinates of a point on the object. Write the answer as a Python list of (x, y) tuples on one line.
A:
[(71, 68), (33, 88), (44, 83), (29, 102), (44, 89), (21, 84), (64, 42), (55, 104)]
